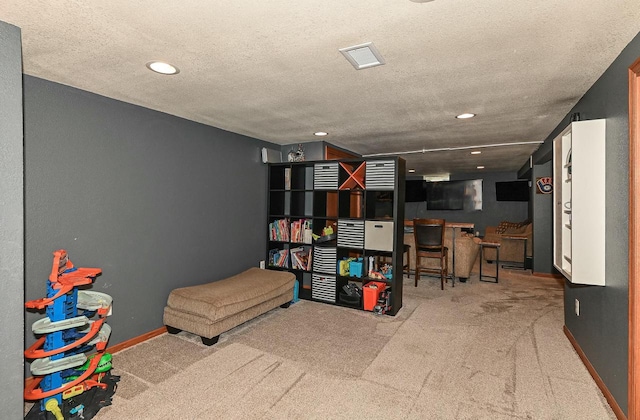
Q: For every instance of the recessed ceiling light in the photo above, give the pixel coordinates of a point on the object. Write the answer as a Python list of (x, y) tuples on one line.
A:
[(480, 167), (320, 133), (411, 171), (465, 116), (476, 152), (162, 68)]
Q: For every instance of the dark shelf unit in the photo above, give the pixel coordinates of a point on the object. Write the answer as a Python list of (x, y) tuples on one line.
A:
[(362, 199)]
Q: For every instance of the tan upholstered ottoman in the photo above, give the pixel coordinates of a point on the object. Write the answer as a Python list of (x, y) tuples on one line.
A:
[(213, 308)]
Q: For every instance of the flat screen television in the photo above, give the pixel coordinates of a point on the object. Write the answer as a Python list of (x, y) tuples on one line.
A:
[(454, 195), (415, 191), (512, 191)]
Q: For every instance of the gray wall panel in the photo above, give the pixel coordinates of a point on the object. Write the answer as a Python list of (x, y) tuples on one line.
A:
[(542, 208), (12, 223), (602, 327), (156, 201)]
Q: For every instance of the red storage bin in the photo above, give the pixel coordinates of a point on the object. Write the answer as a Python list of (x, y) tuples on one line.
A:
[(371, 294)]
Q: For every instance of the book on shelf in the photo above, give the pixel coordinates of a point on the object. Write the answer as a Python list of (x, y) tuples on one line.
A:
[(300, 258), (301, 231), (287, 178), (308, 236), (279, 230), (279, 258)]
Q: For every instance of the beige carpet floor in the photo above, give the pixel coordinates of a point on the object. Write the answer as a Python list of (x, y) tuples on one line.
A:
[(476, 351)]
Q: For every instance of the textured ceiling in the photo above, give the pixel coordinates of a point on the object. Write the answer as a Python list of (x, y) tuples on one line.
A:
[(272, 69)]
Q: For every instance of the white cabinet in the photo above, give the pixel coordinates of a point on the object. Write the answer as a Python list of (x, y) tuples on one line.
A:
[(579, 202)]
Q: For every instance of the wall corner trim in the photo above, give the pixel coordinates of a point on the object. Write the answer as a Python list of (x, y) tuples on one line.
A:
[(599, 382), (634, 240)]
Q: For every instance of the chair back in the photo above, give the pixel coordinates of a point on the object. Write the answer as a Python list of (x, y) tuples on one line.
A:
[(429, 234)]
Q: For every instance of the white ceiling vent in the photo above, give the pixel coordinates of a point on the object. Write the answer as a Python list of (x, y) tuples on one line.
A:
[(363, 56)]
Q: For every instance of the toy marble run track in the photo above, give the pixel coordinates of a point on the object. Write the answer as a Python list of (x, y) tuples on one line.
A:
[(59, 363)]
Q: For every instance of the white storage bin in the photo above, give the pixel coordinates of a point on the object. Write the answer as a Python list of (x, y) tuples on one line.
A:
[(378, 235)]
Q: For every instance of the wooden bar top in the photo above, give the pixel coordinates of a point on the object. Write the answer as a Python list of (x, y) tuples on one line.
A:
[(462, 225), (454, 225)]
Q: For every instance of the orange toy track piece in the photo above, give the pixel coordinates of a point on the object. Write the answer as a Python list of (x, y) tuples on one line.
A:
[(35, 351), (41, 303), (62, 264), (32, 394), (64, 281), (90, 383)]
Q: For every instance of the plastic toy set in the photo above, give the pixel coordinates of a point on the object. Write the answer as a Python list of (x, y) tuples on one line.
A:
[(68, 383), (354, 267)]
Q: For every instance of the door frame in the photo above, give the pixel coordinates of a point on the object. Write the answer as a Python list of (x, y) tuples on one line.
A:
[(634, 241)]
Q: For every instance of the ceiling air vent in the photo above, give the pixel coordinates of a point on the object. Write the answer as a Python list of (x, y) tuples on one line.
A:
[(363, 56)]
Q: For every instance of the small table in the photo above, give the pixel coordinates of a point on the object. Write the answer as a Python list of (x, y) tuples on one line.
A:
[(496, 246)]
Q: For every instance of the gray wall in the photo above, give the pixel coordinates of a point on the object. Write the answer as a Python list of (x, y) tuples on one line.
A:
[(493, 212), (12, 223), (156, 201), (602, 327), (542, 215)]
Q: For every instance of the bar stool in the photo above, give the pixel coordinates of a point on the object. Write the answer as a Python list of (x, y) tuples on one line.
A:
[(429, 241)]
